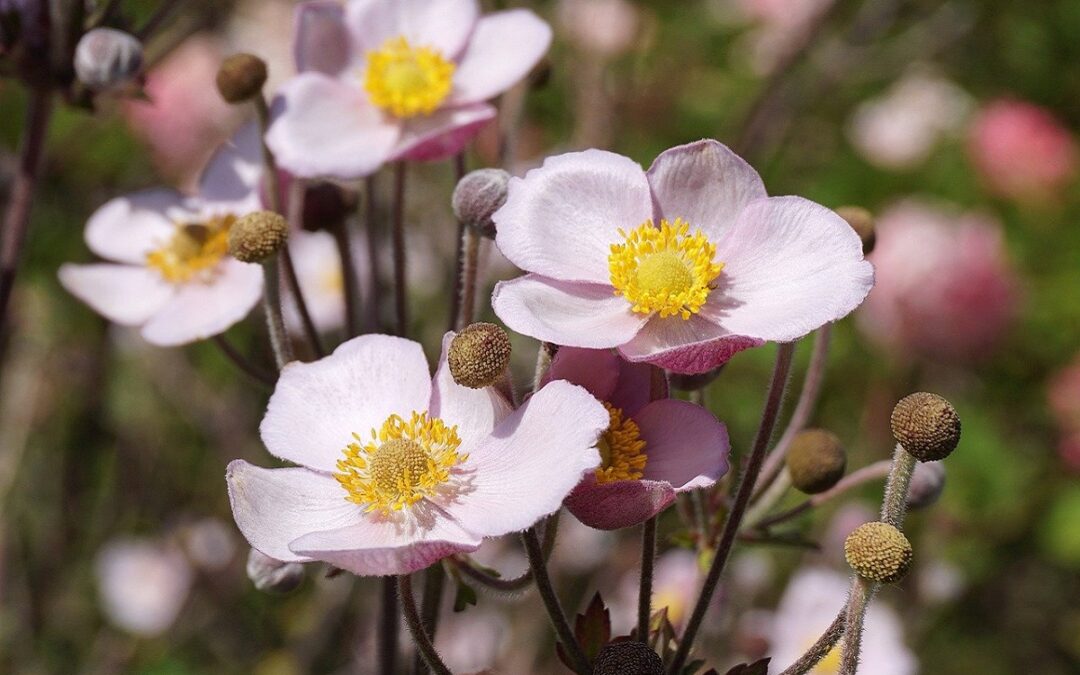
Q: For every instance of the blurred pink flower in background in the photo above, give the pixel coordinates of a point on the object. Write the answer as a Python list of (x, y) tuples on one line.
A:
[(899, 129), (781, 24), (142, 584), (1022, 151), (606, 28), (945, 289), (1063, 394)]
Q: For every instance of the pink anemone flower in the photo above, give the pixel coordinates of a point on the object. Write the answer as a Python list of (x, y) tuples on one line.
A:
[(169, 270), (651, 451), (383, 80), (398, 470), (680, 267)]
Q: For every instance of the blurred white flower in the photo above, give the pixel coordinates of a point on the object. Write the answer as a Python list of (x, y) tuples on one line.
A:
[(580, 548), (606, 28), (142, 584), (209, 544), (473, 640), (318, 268)]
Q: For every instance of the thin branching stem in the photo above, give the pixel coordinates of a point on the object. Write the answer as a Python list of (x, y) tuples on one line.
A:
[(242, 362), (535, 553), (457, 288), (648, 558), (859, 599), (374, 241), (430, 602), (821, 648), (401, 298), (387, 638), (275, 322), (872, 472)]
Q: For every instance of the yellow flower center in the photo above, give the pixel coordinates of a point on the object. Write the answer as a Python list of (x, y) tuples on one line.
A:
[(673, 601), (407, 81), (195, 248), (404, 462), (664, 269), (621, 449)]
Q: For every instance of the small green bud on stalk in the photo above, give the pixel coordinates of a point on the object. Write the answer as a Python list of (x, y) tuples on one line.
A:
[(926, 425), (479, 195), (878, 552), (479, 355), (241, 78), (815, 461), (862, 221), (627, 658), (257, 236)]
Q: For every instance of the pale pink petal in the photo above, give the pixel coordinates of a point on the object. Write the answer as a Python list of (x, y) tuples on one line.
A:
[(230, 182), (127, 228), (705, 184), (636, 386), (562, 218), (791, 266), (623, 503), (686, 446), (322, 127), (534, 458), (378, 547), (595, 369), (316, 407), (200, 310), (123, 294), (565, 313), (321, 41), (475, 412), (503, 48), (272, 507), (441, 134), (687, 347), (444, 25)]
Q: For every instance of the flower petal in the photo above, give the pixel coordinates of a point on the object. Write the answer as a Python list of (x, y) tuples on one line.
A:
[(503, 48), (622, 503), (127, 228), (321, 41), (695, 345), (443, 133), (380, 547), (444, 25), (532, 460), (272, 507), (316, 407), (791, 266), (566, 313), (595, 369), (636, 385), (123, 294), (705, 184), (200, 310), (475, 412), (686, 446), (562, 218), (230, 182), (322, 127)]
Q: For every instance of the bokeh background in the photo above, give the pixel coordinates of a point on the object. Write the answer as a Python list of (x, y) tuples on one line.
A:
[(953, 121)]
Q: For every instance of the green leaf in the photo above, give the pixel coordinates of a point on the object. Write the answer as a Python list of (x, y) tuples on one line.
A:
[(465, 596)]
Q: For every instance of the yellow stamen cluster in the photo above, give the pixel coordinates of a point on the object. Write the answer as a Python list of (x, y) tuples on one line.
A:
[(621, 449), (195, 249), (664, 269), (404, 462), (407, 81)]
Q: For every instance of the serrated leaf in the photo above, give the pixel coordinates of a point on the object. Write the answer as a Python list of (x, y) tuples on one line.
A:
[(592, 628), (760, 667)]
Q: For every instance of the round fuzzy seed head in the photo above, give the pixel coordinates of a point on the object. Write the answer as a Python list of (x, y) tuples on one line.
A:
[(878, 552), (272, 575), (816, 460), (106, 58), (241, 77), (479, 355), (627, 658), (927, 484), (257, 236), (479, 195), (926, 425), (862, 221)]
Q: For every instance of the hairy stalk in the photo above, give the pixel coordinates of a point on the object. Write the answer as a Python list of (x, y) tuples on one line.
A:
[(859, 599), (821, 648), (310, 331), (770, 498), (416, 628), (241, 362), (894, 505), (430, 601), (17, 215), (573, 650), (275, 322), (457, 289), (401, 300), (387, 639), (872, 472), (648, 558), (520, 582), (470, 258), (349, 279), (371, 218), (773, 401)]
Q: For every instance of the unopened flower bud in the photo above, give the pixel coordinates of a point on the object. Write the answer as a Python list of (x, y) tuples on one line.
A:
[(878, 552), (479, 355), (629, 657), (106, 58), (927, 484), (241, 77), (477, 196), (257, 236), (862, 221), (926, 425), (272, 575), (815, 461)]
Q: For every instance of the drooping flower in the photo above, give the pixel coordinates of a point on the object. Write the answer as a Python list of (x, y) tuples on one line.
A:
[(681, 267), (650, 451), (383, 80), (143, 584), (945, 289), (398, 470), (168, 267)]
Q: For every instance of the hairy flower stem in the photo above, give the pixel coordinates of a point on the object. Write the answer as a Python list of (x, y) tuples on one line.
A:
[(17, 215), (241, 362), (821, 648), (513, 584), (894, 505), (648, 558), (457, 289), (275, 322), (573, 650), (349, 279), (416, 628), (387, 639), (872, 472), (401, 300), (434, 580), (371, 221), (773, 401), (470, 258)]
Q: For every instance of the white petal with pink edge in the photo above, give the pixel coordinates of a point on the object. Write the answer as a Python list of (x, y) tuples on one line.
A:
[(230, 182), (475, 412), (566, 313), (685, 445), (503, 48), (123, 294), (316, 407), (127, 228), (562, 218), (444, 25), (200, 310), (443, 133), (687, 346)]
